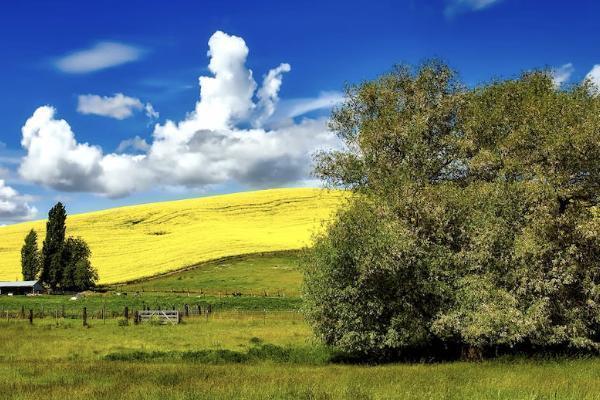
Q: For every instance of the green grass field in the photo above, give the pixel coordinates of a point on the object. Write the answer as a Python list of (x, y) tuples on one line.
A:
[(251, 347), (246, 357), (253, 274), (264, 281)]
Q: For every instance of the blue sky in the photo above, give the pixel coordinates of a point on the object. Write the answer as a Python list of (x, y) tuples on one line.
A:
[(99, 81)]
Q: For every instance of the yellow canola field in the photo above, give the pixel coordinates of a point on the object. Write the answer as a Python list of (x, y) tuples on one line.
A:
[(139, 241)]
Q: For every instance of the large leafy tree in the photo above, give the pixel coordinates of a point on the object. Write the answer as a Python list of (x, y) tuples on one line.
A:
[(78, 272), (52, 257), (475, 222), (30, 257)]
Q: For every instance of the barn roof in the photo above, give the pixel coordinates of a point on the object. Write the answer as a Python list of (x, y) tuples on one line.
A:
[(18, 284)]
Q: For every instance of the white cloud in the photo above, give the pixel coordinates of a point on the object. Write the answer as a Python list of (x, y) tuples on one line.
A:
[(594, 77), (459, 6), (562, 74), (136, 143), (205, 148), (268, 94), (151, 112), (298, 107), (118, 106), (54, 158), (101, 56), (13, 206)]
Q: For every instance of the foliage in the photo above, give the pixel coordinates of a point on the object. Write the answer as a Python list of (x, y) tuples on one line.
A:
[(78, 273), (53, 246), (477, 221), (30, 257), (66, 263), (125, 246)]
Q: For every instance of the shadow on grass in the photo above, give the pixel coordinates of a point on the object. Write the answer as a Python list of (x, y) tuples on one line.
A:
[(323, 355), (308, 355)]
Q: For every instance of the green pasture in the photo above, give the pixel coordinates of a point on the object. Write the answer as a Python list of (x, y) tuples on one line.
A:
[(273, 274), (254, 345), (244, 356), (253, 282)]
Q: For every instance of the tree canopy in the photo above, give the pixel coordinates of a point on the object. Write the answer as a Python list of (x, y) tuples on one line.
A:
[(66, 263), (475, 222)]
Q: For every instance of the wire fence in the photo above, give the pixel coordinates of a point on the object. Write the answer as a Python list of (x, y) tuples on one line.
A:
[(186, 311)]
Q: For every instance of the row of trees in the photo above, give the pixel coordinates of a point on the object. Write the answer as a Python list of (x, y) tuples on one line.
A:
[(63, 263), (475, 225)]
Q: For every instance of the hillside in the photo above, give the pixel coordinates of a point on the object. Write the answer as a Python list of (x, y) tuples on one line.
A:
[(139, 241), (252, 274)]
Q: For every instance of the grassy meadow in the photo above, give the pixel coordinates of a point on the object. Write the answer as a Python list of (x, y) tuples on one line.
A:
[(260, 281), (247, 357), (252, 274), (250, 347), (133, 242)]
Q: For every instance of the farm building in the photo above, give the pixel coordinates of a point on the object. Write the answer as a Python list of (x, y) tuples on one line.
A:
[(20, 287)]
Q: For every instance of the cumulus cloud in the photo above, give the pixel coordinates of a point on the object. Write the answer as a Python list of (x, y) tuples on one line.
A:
[(207, 147), (454, 7), (118, 106), (562, 74), (594, 77), (13, 206), (268, 94), (100, 56), (54, 158), (135, 143)]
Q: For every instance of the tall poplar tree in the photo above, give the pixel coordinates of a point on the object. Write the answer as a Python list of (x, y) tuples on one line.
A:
[(30, 257), (52, 262)]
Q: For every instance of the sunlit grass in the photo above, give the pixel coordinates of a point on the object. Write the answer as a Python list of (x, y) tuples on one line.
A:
[(266, 274), (71, 362), (138, 241)]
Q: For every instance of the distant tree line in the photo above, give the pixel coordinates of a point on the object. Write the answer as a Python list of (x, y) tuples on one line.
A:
[(475, 224), (63, 264)]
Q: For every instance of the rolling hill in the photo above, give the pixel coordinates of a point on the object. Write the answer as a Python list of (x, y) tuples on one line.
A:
[(133, 242)]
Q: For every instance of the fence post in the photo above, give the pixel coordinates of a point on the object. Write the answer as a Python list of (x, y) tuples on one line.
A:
[(126, 313), (136, 317), (85, 317), (22, 312), (187, 310), (30, 316)]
